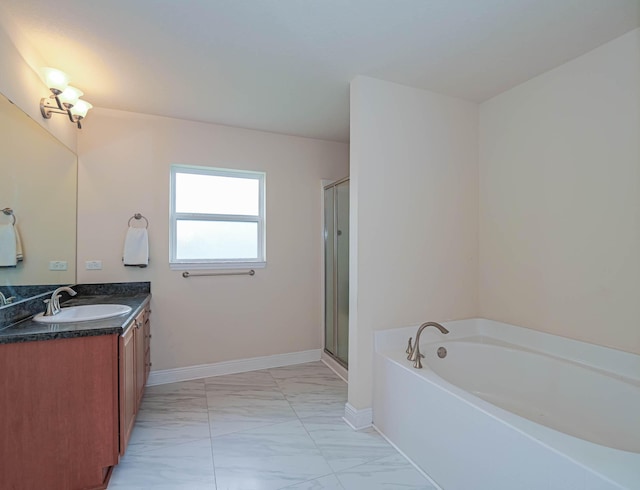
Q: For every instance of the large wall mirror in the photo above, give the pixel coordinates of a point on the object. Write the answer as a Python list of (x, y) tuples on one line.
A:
[(38, 182)]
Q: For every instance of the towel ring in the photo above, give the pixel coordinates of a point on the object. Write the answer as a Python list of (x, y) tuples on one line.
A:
[(9, 212), (139, 216)]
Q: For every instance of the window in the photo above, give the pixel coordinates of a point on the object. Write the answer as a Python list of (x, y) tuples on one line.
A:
[(217, 218)]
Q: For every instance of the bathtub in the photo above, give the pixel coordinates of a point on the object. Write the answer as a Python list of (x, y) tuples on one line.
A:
[(510, 408)]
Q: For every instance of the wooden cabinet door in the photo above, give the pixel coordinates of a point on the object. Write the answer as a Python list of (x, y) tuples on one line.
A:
[(128, 397), (134, 368), (140, 343), (147, 344), (58, 413)]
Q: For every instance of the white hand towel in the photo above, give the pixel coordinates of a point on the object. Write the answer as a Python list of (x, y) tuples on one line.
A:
[(8, 249), (136, 247)]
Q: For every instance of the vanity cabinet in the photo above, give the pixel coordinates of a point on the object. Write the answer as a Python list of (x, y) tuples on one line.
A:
[(58, 413), (134, 371), (68, 405)]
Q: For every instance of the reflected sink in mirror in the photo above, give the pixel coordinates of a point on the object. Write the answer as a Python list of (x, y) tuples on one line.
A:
[(83, 313)]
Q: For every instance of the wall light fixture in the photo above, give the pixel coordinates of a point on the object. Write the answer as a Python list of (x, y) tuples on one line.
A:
[(64, 98)]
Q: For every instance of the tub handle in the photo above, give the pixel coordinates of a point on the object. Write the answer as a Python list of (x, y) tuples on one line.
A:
[(418, 363), (409, 348)]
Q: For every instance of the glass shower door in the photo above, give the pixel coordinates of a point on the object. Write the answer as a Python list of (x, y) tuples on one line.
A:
[(329, 289), (336, 263)]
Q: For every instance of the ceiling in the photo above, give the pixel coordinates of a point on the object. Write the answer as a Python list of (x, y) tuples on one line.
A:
[(285, 65)]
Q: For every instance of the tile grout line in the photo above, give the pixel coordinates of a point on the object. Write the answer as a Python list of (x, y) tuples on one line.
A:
[(213, 458)]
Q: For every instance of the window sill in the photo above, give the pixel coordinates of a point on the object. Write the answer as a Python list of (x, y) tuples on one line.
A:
[(184, 266)]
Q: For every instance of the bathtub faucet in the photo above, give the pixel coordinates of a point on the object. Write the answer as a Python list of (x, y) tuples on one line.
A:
[(414, 351)]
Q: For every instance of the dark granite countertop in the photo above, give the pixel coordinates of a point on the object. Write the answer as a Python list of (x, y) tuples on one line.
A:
[(28, 330)]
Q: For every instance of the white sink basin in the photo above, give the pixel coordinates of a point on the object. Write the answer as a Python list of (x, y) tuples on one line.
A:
[(83, 313)]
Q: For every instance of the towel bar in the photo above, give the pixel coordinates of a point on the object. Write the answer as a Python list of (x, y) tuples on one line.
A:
[(139, 216), (187, 274)]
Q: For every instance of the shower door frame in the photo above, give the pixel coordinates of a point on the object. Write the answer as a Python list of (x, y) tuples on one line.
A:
[(334, 299)]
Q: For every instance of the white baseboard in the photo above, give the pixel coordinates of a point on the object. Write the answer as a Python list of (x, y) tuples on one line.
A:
[(358, 419), (335, 367), (230, 367)]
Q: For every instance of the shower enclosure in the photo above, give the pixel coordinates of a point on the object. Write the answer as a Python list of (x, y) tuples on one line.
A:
[(336, 270)]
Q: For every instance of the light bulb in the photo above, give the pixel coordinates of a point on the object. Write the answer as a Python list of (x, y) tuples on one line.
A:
[(80, 108), (56, 80), (70, 96)]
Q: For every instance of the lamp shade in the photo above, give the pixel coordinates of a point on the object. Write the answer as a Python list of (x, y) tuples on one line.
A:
[(70, 96), (80, 108), (56, 80)]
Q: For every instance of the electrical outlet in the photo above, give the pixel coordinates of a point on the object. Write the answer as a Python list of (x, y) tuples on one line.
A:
[(93, 265), (58, 265)]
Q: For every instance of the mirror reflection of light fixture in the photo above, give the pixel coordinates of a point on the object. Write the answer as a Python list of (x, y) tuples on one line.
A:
[(64, 98)]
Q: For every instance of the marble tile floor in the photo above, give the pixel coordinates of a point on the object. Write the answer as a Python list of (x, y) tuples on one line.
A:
[(279, 428)]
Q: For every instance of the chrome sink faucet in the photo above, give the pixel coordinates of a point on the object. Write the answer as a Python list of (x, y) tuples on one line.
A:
[(414, 351), (53, 304)]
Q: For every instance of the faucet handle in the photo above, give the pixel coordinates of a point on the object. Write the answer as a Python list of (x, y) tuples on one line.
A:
[(53, 305), (49, 307), (416, 357), (409, 347), (415, 354)]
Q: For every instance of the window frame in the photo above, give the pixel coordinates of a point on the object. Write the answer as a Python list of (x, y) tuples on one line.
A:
[(174, 217)]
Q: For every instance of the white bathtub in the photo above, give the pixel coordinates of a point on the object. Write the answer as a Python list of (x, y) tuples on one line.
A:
[(510, 408)]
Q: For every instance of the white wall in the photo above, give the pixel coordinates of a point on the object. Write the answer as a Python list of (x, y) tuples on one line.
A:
[(560, 199), (414, 194), (124, 161)]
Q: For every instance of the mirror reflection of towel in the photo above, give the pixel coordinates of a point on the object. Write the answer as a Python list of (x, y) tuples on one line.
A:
[(10, 246), (136, 247)]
